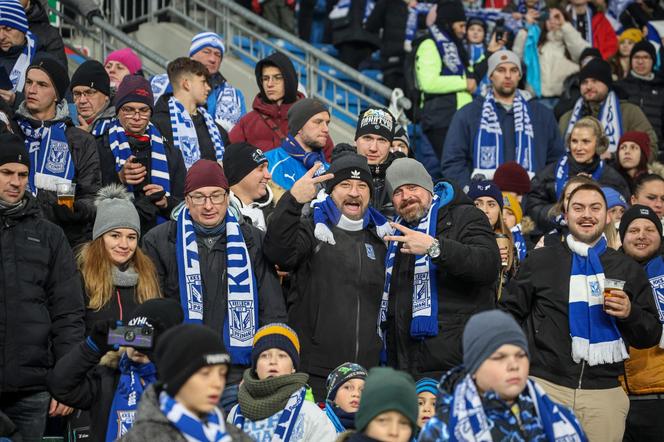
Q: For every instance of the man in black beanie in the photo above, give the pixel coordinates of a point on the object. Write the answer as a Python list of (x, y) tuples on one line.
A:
[(63, 153), (91, 90), (600, 100), (246, 168), (337, 259)]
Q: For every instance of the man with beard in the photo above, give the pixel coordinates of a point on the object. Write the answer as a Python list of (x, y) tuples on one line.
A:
[(441, 268), (337, 266), (504, 126), (308, 132), (578, 327)]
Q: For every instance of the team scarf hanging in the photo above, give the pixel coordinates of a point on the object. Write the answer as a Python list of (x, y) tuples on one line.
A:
[(160, 85), (655, 271), (469, 422), (476, 52), (562, 173), (308, 159), (226, 104), (448, 51), (327, 214), (531, 58), (210, 429), (519, 242), (424, 322), (17, 75), (588, 17), (242, 291), (134, 378), (184, 133), (595, 336), (287, 420), (100, 127), (342, 8), (336, 415), (50, 158), (411, 22), (609, 115), (489, 143)]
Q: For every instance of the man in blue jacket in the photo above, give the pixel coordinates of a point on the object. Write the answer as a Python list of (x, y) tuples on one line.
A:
[(503, 126)]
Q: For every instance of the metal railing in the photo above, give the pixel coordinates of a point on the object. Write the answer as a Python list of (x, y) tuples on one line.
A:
[(251, 37)]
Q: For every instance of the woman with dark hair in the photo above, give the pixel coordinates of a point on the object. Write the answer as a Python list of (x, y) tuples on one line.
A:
[(632, 156), (649, 191)]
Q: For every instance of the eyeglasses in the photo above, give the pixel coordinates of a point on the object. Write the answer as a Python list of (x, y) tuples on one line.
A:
[(130, 112), (89, 93), (198, 199), (276, 78)]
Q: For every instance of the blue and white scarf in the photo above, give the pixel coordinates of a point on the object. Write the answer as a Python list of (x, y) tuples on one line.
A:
[(184, 133), (241, 318), (226, 103), (101, 127), (655, 271), (340, 419), (609, 115), (287, 420), (562, 173), (595, 336), (17, 75), (50, 157), (489, 143), (190, 426), (134, 378), (308, 159), (448, 51), (519, 242), (424, 323), (160, 85), (469, 422), (342, 8), (589, 23), (327, 214), (411, 22)]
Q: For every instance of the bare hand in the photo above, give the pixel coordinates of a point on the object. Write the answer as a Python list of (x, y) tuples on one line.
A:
[(304, 189), (471, 85), (495, 45), (412, 241), (150, 189), (82, 124), (618, 304), (132, 173), (8, 96), (58, 409)]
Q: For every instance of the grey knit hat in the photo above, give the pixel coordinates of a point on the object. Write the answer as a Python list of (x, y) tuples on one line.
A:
[(500, 57), (302, 111), (115, 210), (407, 171)]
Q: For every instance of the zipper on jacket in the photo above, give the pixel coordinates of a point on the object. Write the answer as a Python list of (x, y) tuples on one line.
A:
[(357, 317), (583, 365)]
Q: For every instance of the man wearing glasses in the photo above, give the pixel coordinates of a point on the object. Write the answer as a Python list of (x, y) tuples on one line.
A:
[(91, 90), (135, 154), (212, 262)]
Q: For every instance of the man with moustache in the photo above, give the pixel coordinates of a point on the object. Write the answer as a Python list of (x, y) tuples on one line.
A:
[(504, 126), (336, 262), (441, 268), (578, 327)]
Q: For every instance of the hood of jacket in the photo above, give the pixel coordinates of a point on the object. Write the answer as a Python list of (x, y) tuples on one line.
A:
[(61, 114), (287, 69), (36, 13)]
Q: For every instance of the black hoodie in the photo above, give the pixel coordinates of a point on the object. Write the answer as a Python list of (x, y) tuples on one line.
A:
[(48, 37), (287, 69)]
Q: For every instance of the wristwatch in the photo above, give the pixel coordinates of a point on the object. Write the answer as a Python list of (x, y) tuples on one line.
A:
[(434, 249)]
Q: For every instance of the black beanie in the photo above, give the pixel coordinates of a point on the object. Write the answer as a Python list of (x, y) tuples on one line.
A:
[(93, 75), (375, 121), (646, 46), (302, 111), (13, 150), (183, 350), (638, 211), (348, 166), (56, 72), (589, 52), (598, 69), (450, 11), (240, 159)]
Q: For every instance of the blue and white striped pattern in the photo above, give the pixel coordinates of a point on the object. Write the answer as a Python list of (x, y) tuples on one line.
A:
[(13, 15), (206, 40), (211, 429)]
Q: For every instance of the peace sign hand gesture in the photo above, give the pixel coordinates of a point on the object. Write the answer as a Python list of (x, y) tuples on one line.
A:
[(412, 241), (304, 189)]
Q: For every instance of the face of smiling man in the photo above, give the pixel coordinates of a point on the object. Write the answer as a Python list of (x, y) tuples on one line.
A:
[(586, 215), (352, 198)]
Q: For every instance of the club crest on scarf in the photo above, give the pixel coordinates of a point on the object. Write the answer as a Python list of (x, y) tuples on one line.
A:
[(422, 301), (125, 421), (243, 320), (57, 155), (487, 156), (655, 271)]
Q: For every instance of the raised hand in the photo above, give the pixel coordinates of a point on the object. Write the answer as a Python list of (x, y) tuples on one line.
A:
[(412, 241), (304, 189)]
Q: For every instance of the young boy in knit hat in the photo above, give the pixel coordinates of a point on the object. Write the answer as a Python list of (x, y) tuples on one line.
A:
[(272, 404), (182, 405), (344, 391), (427, 390), (490, 396)]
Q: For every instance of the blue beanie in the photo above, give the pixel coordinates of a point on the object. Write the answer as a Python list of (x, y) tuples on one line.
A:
[(486, 188), (13, 15), (613, 198), (427, 384), (206, 40)]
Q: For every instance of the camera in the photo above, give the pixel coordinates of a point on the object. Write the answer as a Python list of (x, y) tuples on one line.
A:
[(131, 336)]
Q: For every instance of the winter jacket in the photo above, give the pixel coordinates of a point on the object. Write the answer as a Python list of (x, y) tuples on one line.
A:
[(152, 425), (350, 29), (538, 298), (458, 162), (558, 57), (467, 272), (633, 118), (258, 213), (542, 196), (381, 199), (389, 16), (161, 118), (87, 174), (41, 298), (48, 37), (160, 244), (120, 307), (649, 96), (330, 285)]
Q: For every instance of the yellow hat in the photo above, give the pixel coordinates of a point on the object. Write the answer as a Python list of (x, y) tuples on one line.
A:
[(510, 202), (632, 33)]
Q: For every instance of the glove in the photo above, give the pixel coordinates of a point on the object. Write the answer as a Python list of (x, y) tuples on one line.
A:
[(98, 338), (64, 216)]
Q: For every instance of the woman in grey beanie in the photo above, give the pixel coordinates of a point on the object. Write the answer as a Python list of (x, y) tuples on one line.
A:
[(117, 275)]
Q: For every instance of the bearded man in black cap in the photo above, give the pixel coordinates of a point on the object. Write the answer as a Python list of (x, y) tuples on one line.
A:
[(336, 261), (91, 89)]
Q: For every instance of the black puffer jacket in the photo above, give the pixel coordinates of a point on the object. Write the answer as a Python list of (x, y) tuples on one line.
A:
[(538, 297), (335, 291), (160, 245), (350, 29), (381, 199), (468, 268), (48, 37), (649, 96), (41, 299), (390, 16)]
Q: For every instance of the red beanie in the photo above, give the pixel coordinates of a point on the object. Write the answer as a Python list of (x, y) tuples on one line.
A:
[(511, 177), (640, 138), (205, 173)]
